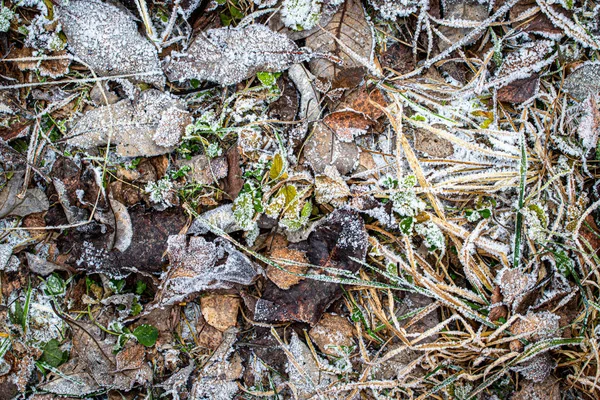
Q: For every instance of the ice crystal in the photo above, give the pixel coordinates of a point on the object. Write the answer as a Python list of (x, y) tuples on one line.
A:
[(230, 55), (405, 200), (6, 15), (243, 211), (106, 37), (434, 238), (159, 192), (392, 9), (301, 14)]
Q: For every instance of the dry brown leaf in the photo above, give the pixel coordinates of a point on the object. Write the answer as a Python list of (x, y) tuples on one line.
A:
[(220, 311), (347, 124), (350, 27), (332, 333)]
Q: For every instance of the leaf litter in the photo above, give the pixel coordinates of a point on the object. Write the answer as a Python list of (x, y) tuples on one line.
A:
[(299, 199)]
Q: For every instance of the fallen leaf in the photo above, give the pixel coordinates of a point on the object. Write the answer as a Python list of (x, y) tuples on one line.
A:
[(53, 68), (538, 23), (330, 187), (303, 369), (392, 9), (292, 261), (217, 379), (335, 243), (347, 124), (584, 81), (33, 201), (548, 389), (332, 334), (323, 149), (432, 145), (520, 90), (472, 11), (200, 265), (106, 38), (230, 55), (220, 311), (138, 127), (204, 170), (350, 27)]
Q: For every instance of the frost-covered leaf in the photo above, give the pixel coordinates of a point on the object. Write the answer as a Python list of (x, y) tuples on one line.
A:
[(106, 38), (140, 127), (347, 124), (303, 369), (220, 217), (461, 12), (334, 243), (230, 55), (392, 9), (202, 265), (323, 149), (300, 15), (218, 376), (347, 36), (514, 285), (521, 64), (584, 81), (330, 187)]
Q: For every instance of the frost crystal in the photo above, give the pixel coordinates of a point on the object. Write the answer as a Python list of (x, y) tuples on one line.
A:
[(244, 211), (301, 14), (6, 15), (159, 192), (392, 9), (434, 238), (230, 55), (405, 200), (107, 38)]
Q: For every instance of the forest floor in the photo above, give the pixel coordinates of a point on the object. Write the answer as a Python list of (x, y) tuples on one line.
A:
[(299, 199)]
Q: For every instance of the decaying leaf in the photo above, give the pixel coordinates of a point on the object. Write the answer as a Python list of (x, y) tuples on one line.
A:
[(350, 27), (330, 187), (520, 90), (334, 243), (332, 334), (292, 260), (392, 9), (12, 203), (514, 285), (347, 124), (303, 370), (206, 171), (202, 265), (217, 379), (220, 311), (230, 55), (584, 81), (146, 126), (528, 60), (52, 68), (461, 12), (106, 38), (323, 149)]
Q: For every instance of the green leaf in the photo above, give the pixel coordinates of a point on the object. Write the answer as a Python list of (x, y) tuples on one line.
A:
[(485, 213), (140, 287), (55, 285), (406, 225), (53, 355), (146, 335), (290, 192)]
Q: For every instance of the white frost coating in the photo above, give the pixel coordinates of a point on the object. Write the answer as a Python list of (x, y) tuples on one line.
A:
[(303, 369), (107, 39), (169, 127), (230, 55), (392, 9), (198, 266), (221, 217), (300, 14)]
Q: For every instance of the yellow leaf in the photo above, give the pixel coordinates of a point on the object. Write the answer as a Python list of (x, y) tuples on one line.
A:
[(277, 167), (290, 192)]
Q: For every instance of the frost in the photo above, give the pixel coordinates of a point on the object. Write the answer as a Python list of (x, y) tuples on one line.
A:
[(221, 217), (392, 9), (300, 14), (6, 15), (138, 126), (202, 265), (230, 55), (106, 38), (330, 187), (405, 200), (160, 192), (434, 238), (584, 81)]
